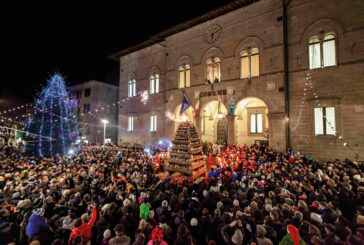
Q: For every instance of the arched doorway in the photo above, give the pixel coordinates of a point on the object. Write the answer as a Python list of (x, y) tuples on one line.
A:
[(251, 121), (222, 130), (213, 122)]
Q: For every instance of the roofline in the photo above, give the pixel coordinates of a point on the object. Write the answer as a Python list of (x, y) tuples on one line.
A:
[(184, 26), (93, 81)]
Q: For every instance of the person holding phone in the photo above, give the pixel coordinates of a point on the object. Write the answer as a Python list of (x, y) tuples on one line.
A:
[(85, 224), (235, 228)]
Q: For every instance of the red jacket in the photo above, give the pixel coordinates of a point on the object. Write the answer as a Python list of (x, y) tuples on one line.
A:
[(85, 229)]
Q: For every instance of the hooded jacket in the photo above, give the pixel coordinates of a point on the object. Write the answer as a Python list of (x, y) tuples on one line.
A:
[(36, 224), (85, 229), (292, 238)]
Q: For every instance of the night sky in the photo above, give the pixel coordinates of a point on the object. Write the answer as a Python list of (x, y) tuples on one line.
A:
[(77, 40)]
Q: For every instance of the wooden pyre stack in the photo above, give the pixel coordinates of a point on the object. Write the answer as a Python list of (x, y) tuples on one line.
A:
[(186, 156)]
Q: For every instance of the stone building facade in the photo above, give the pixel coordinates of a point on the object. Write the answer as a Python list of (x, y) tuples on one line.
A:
[(264, 51), (96, 101)]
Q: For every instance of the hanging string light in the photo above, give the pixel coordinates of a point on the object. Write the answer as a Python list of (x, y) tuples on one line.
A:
[(308, 84), (330, 124)]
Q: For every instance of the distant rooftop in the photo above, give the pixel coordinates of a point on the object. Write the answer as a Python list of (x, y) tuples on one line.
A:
[(184, 26), (90, 82)]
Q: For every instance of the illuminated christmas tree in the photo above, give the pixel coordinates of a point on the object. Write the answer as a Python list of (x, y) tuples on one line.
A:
[(53, 127)]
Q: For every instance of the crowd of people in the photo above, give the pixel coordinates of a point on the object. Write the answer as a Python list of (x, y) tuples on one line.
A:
[(113, 195)]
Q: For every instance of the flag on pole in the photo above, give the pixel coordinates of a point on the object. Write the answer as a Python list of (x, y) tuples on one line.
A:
[(231, 104), (185, 104), (197, 107)]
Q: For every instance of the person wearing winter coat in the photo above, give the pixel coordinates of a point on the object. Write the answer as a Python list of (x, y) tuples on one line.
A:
[(261, 238), (238, 236), (85, 229), (5, 234), (37, 227), (292, 237)]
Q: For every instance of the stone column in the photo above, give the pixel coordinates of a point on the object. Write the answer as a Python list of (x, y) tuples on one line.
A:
[(231, 129), (198, 124), (278, 124)]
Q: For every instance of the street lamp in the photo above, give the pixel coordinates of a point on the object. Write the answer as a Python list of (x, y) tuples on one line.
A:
[(104, 121)]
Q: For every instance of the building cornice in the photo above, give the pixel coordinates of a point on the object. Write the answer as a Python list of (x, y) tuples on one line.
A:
[(184, 26)]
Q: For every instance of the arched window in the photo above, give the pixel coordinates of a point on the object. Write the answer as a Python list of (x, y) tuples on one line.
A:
[(328, 50), (154, 84), (131, 88), (184, 76), (249, 63), (322, 51), (213, 70), (314, 52)]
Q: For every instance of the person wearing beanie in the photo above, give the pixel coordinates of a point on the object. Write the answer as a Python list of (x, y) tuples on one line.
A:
[(157, 237), (107, 235), (37, 227), (292, 237)]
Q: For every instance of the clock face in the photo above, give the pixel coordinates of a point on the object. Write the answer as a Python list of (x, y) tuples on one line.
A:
[(212, 34)]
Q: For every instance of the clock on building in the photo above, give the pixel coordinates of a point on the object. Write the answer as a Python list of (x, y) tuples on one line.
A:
[(212, 34)]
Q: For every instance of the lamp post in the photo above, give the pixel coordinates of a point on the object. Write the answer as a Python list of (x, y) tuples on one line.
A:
[(104, 121)]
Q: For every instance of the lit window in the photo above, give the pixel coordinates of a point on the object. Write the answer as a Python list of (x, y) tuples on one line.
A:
[(153, 123), (184, 76), (130, 124), (154, 84), (315, 53), (329, 52), (325, 121), (213, 70), (132, 88), (256, 123), (249, 63), (322, 52)]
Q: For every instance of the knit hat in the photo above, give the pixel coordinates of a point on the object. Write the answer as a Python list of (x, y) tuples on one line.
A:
[(237, 237), (289, 201), (107, 233), (315, 217), (39, 211), (16, 195), (294, 233), (157, 234), (105, 208), (268, 207), (194, 222)]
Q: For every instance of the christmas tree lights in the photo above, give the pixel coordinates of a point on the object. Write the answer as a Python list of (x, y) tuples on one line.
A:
[(53, 121)]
